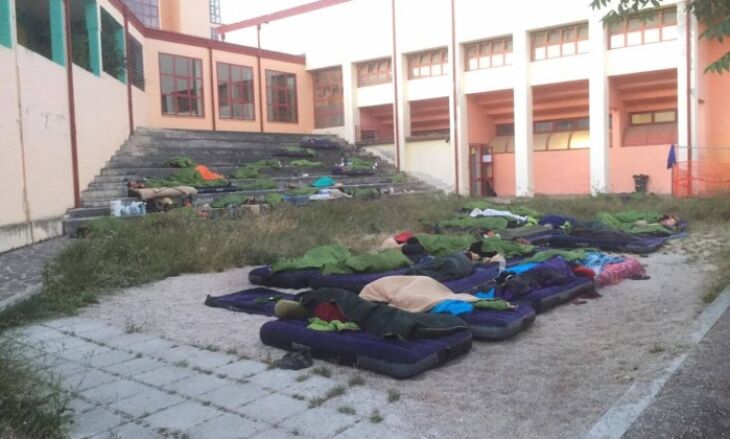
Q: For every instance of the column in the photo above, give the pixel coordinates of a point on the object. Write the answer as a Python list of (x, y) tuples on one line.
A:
[(598, 107), (683, 83), (58, 31), (402, 110), (523, 115), (91, 14), (461, 126), (349, 104)]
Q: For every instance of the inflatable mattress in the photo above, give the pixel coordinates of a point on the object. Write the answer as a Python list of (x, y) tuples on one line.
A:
[(296, 279), (259, 301), (396, 358), (632, 244), (544, 299)]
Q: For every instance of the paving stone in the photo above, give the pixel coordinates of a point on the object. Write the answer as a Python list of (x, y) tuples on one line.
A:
[(360, 398), (273, 408), (195, 357), (67, 323), (79, 406), (68, 369), (134, 367), (275, 433), (312, 387), (145, 403), (152, 346), (101, 334), (228, 426), (275, 379), (69, 345), (129, 430), (198, 384), (35, 334), (108, 359), (366, 429), (233, 396), (242, 369), (182, 417), (318, 422), (165, 375), (94, 422), (124, 340), (83, 352), (114, 391), (87, 380), (85, 326)]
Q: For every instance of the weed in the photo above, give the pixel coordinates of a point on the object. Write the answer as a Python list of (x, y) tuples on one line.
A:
[(657, 349), (376, 417), (139, 355), (336, 391), (393, 395), (347, 410), (303, 377), (316, 402), (298, 397), (356, 380), (322, 371), (211, 348), (132, 328), (232, 352), (181, 363)]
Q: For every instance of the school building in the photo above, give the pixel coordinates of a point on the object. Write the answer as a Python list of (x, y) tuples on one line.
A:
[(476, 97)]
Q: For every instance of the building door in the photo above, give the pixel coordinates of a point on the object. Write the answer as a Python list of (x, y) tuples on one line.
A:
[(481, 171)]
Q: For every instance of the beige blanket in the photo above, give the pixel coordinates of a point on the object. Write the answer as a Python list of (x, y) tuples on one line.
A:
[(411, 293), (177, 191)]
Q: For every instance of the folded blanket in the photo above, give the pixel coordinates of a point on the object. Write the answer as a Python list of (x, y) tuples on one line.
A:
[(411, 293)]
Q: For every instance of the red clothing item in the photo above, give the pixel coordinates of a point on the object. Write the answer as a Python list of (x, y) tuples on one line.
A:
[(329, 312), (403, 237), (584, 271), (207, 174)]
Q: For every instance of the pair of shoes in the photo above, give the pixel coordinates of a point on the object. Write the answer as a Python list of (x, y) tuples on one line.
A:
[(294, 361)]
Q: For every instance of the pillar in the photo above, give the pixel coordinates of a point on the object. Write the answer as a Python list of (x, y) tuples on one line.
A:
[(349, 104), (402, 109), (598, 106), (683, 83), (58, 31), (523, 115)]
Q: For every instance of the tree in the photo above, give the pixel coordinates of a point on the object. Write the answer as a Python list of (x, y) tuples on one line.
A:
[(714, 14)]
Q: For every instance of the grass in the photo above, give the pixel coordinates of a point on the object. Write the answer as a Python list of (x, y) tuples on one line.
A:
[(356, 380), (331, 393), (303, 377), (347, 410), (376, 417), (322, 371), (657, 349), (393, 395), (31, 405)]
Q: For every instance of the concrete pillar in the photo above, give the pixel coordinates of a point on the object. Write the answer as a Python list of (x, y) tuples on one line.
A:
[(598, 106), (460, 127), (349, 104), (523, 115), (683, 83), (402, 109)]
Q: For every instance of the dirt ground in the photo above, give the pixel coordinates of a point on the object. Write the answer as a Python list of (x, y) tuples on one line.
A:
[(553, 380)]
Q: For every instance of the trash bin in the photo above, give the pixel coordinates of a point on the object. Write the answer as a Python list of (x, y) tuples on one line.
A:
[(641, 181)]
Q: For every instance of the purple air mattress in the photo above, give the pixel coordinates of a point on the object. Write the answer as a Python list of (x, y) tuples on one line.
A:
[(350, 282), (259, 301), (296, 279), (491, 325), (544, 299), (628, 244), (396, 358)]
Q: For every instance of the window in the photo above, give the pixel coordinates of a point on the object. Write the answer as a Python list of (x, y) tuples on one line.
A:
[(486, 54), (651, 117), (328, 106), (112, 47), (85, 35), (215, 11), (563, 125), (374, 72), (181, 85), (559, 42), (431, 63), (652, 27), (135, 61), (40, 27), (235, 92), (281, 97), (147, 11)]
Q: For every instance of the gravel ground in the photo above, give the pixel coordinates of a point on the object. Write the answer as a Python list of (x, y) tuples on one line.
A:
[(556, 378)]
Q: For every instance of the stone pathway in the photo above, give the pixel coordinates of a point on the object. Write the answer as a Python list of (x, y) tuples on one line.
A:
[(125, 384), (21, 270)]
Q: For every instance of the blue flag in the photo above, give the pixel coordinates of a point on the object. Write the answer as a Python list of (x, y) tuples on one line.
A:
[(671, 158)]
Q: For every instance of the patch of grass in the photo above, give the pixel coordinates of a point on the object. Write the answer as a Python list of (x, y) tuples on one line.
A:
[(303, 377), (316, 402), (336, 391), (356, 380), (132, 328), (211, 348), (31, 405), (232, 352), (347, 410), (322, 371), (298, 397), (181, 363), (657, 349), (393, 395), (376, 417)]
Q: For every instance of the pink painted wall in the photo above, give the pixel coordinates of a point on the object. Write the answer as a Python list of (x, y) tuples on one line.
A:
[(714, 129), (561, 172), (627, 161), (504, 174)]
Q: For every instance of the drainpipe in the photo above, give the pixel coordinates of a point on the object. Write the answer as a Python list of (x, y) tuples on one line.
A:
[(72, 105), (455, 97), (261, 78), (212, 87), (394, 71), (130, 103)]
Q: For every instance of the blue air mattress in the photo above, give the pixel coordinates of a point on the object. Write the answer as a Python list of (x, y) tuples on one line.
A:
[(633, 244), (259, 301), (544, 299), (498, 325), (297, 279), (350, 282), (396, 358)]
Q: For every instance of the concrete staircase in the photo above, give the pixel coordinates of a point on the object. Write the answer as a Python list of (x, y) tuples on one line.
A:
[(145, 153)]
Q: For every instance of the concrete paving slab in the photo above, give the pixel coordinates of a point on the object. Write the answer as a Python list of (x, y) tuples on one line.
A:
[(146, 403), (313, 387), (79, 406), (151, 347), (125, 340), (242, 369), (195, 357), (228, 426), (108, 359), (82, 352), (197, 384), (94, 422), (114, 391), (88, 380), (101, 334), (273, 408), (182, 417), (367, 429), (234, 395), (275, 379), (276, 433), (162, 376), (318, 422), (129, 430), (134, 367)]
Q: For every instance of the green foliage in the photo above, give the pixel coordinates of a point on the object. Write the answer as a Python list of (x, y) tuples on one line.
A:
[(304, 163), (184, 177), (253, 170), (715, 14), (181, 162)]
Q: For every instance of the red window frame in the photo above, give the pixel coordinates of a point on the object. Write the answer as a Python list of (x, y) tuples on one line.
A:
[(619, 31), (375, 72), (192, 93), (568, 36), (653, 117), (281, 99), (147, 11), (489, 54), (237, 94), (425, 60), (329, 110)]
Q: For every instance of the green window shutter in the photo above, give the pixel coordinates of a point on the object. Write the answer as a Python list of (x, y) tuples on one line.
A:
[(91, 12), (6, 38), (58, 31)]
